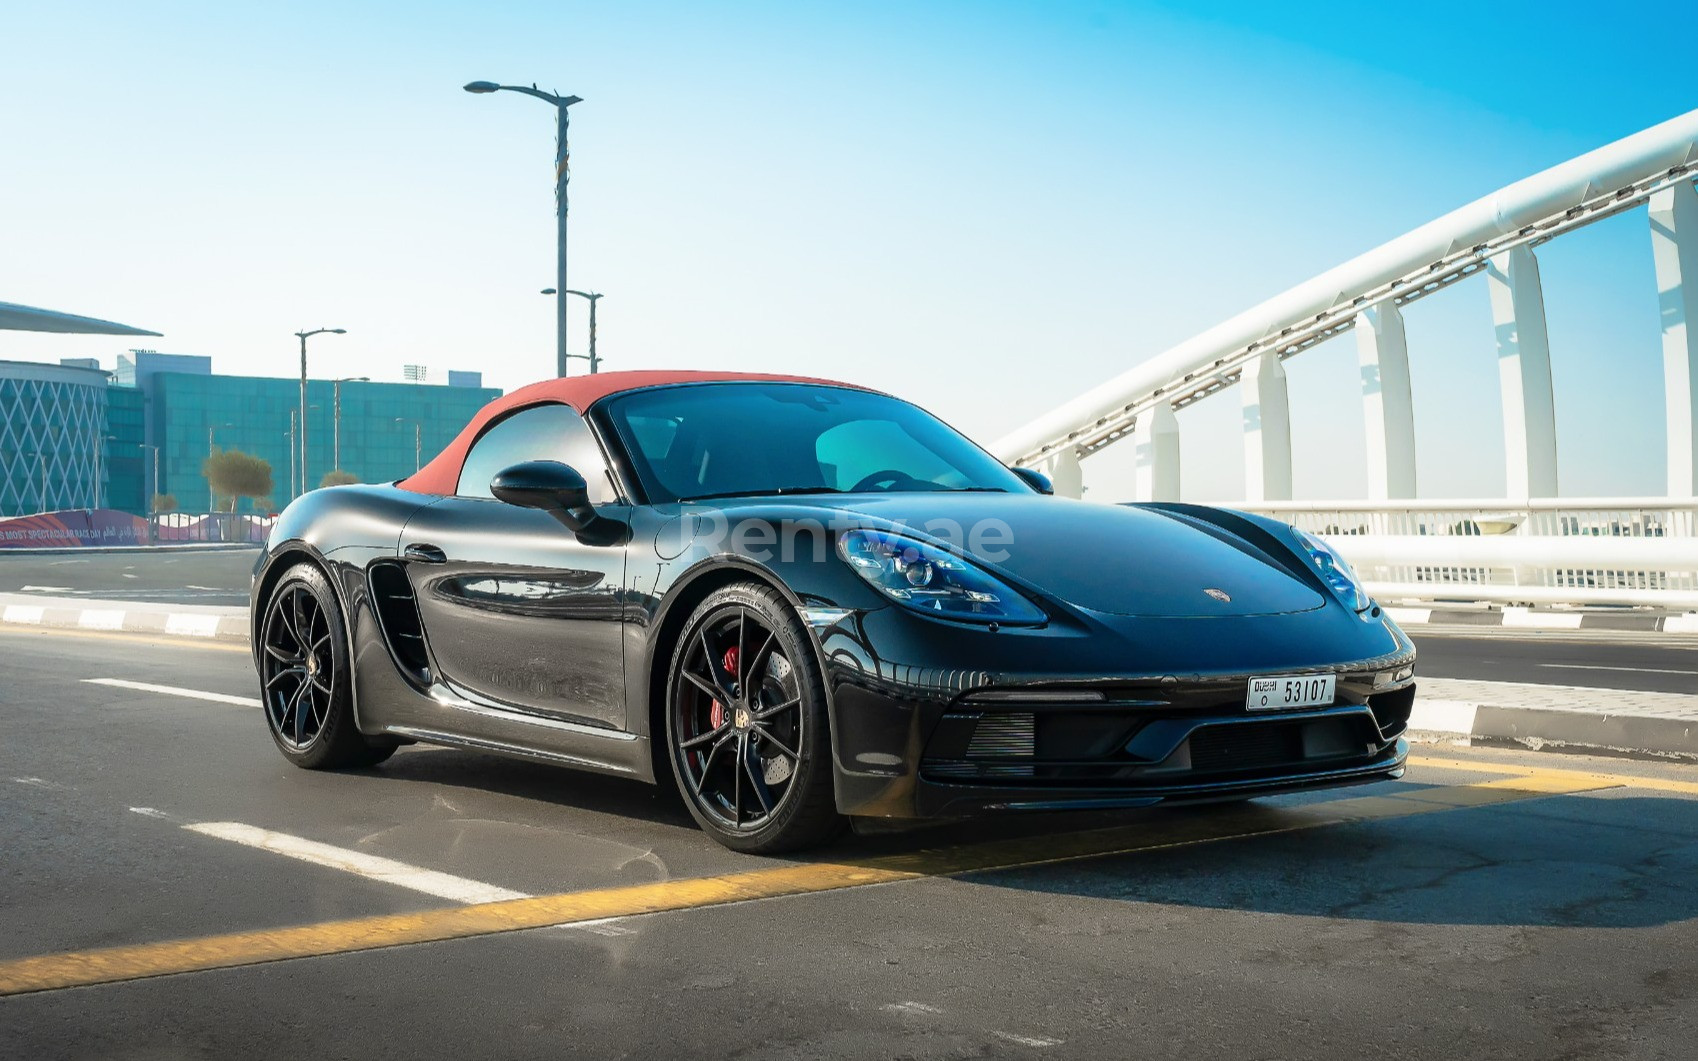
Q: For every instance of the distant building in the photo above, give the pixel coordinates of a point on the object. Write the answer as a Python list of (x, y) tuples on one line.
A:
[(148, 428), (52, 434), (193, 414)]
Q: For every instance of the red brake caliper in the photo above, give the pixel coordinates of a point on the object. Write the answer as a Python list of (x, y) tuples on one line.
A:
[(716, 713)]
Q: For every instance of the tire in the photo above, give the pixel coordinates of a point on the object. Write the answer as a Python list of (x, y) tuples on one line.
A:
[(306, 679), (733, 732)]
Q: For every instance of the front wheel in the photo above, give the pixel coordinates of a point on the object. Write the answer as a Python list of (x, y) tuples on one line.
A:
[(746, 724), (306, 682)]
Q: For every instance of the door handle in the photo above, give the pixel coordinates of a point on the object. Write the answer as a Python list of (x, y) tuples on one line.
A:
[(425, 554)]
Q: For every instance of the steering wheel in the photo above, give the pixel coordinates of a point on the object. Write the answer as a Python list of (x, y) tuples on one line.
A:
[(889, 476)]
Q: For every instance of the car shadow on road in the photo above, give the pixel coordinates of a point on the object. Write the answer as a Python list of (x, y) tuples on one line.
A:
[(1596, 861), (543, 782)]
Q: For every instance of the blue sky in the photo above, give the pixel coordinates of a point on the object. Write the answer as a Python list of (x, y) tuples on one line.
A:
[(985, 207)]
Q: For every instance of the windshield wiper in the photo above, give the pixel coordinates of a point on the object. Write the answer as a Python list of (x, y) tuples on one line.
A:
[(775, 492)]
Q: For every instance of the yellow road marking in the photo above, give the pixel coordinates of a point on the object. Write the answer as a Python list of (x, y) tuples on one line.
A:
[(84, 968), (135, 639), (1483, 766)]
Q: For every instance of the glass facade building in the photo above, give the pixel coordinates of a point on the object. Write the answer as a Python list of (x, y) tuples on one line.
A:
[(193, 414), (52, 430), (125, 470), (73, 436)]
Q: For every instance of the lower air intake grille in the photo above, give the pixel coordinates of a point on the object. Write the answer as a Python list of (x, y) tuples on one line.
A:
[(1003, 736), (1246, 746)]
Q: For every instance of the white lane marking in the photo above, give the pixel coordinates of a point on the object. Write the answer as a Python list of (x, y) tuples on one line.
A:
[(126, 574), (44, 589), (911, 1007), (192, 624), (1628, 670), (1025, 1040), (172, 690), (101, 619), (372, 867), (209, 589), (36, 782), (21, 613), (150, 812)]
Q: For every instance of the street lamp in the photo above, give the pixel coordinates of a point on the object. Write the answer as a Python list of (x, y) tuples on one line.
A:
[(418, 462), (562, 175), (303, 337), (592, 298), (294, 455), (336, 446)]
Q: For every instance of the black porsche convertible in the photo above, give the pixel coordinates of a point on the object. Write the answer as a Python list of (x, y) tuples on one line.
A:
[(802, 601)]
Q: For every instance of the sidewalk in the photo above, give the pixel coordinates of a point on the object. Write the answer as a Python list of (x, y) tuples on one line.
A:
[(1560, 717), (135, 617)]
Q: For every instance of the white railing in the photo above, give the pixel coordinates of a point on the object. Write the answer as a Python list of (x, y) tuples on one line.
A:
[(1621, 551)]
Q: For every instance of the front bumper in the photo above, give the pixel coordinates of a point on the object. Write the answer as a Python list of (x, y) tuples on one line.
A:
[(1047, 730)]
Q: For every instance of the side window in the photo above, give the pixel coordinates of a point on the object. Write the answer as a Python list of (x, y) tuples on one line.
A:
[(542, 432)]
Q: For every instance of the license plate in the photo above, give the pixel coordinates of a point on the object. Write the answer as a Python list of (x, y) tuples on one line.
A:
[(1294, 690)]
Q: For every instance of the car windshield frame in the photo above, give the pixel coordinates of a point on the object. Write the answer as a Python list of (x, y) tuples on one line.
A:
[(984, 473)]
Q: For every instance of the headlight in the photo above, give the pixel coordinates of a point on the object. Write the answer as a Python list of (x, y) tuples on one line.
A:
[(930, 580), (1334, 571)]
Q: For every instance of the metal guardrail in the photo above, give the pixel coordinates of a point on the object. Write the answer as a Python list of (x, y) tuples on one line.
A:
[(1621, 551), (167, 528)]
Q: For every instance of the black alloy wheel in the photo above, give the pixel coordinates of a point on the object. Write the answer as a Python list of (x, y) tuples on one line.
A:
[(305, 681), (747, 727)]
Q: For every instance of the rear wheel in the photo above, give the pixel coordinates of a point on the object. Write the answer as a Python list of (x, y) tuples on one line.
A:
[(746, 724), (306, 682)]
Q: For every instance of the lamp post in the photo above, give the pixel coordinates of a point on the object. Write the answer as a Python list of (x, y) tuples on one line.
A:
[(418, 461), (294, 456), (304, 336), (592, 298), (562, 175), (336, 419)]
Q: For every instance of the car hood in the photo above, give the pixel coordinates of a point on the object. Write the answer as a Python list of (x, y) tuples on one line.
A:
[(1115, 559)]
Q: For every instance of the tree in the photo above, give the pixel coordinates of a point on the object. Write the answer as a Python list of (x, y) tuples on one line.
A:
[(236, 475), (338, 477), (164, 503)]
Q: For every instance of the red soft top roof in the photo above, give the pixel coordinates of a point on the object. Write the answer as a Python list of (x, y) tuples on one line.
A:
[(442, 474)]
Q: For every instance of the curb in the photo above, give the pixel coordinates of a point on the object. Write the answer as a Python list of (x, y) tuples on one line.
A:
[(1466, 723), (1514, 618), (215, 624)]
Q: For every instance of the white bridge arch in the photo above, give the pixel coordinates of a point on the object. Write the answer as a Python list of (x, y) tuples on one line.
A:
[(1495, 237)]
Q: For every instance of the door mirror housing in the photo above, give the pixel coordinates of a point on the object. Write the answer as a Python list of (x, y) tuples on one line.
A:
[(560, 491), (1035, 479)]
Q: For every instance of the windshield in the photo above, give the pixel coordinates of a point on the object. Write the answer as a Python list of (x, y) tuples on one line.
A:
[(739, 439)]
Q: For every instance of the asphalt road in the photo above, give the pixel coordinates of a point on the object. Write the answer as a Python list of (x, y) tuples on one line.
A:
[(172, 576), (1492, 905)]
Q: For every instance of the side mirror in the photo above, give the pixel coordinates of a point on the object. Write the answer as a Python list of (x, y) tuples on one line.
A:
[(1035, 479), (551, 486)]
